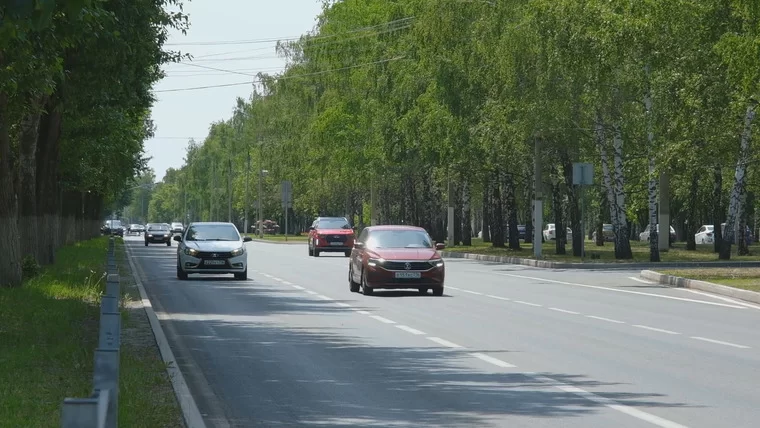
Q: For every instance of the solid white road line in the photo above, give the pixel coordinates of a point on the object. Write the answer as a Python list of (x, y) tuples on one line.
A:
[(643, 281), (495, 361), (498, 297), (621, 291), (410, 330), (298, 287), (345, 305), (604, 319), (472, 292), (659, 330), (383, 320), (287, 282), (528, 303), (612, 404), (565, 311), (719, 342), (443, 342), (725, 299)]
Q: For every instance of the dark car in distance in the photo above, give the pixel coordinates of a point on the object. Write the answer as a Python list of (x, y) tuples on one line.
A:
[(396, 257), (158, 233), (113, 227), (331, 235)]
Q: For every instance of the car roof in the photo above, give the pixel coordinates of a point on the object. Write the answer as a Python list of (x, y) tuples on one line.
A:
[(332, 218), (211, 223), (396, 227)]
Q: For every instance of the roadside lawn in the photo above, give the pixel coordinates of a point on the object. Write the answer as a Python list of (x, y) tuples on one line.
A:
[(295, 238), (606, 253), (48, 332), (744, 278)]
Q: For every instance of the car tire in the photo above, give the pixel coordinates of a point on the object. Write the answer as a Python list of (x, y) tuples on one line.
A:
[(347, 253), (367, 291), (181, 275), (242, 276), (438, 291), (168, 243), (352, 285), (422, 290), (316, 252), (146, 243)]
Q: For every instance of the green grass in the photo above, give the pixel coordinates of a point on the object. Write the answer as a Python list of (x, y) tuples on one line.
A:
[(744, 278), (606, 253), (48, 332), (296, 238)]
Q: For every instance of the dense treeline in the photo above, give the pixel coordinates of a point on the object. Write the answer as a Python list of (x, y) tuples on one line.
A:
[(75, 99), (389, 111)]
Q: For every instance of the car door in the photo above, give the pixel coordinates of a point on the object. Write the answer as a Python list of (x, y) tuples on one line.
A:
[(357, 255)]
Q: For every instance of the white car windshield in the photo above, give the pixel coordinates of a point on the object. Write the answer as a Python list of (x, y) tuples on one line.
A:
[(212, 232), (157, 228), (399, 239)]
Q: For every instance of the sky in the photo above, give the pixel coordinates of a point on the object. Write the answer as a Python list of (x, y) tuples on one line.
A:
[(237, 35)]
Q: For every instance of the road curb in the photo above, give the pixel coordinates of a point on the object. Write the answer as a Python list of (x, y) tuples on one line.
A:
[(546, 264), (268, 241), (190, 413), (679, 282)]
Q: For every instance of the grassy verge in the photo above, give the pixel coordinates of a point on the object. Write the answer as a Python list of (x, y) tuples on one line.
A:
[(744, 278), (606, 253), (281, 238), (48, 332)]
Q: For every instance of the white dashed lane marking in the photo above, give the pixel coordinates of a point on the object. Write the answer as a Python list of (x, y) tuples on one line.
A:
[(720, 342), (565, 311), (382, 320), (411, 330), (604, 319), (443, 342), (495, 361), (659, 330), (345, 305), (528, 303)]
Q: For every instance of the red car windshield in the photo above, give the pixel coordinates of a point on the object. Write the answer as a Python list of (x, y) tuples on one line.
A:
[(399, 239)]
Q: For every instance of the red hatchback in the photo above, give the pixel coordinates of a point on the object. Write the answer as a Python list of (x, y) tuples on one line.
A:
[(330, 235), (396, 257)]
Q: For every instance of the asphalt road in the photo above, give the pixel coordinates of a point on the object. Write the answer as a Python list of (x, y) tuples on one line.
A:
[(506, 346)]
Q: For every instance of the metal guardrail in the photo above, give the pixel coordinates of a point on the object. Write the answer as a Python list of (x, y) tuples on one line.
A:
[(101, 409)]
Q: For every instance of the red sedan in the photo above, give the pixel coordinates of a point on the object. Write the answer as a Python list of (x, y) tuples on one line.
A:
[(396, 257)]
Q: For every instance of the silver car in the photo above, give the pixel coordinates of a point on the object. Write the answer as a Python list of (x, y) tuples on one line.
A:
[(212, 248)]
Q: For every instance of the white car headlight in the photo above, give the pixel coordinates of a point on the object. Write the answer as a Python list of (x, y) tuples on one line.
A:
[(374, 262), (436, 262), (191, 252), (237, 252)]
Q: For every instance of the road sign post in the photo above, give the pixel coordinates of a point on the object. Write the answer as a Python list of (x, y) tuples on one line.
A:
[(286, 188), (583, 176)]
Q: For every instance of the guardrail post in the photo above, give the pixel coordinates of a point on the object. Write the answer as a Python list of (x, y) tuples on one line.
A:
[(112, 285), (79, 413), (106, 380)]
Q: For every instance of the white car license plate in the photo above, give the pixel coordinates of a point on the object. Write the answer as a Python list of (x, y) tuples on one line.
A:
[(214, 262), (409, 275), (336, 244)]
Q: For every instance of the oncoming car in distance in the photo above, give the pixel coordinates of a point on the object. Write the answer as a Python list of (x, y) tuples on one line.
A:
[(212, 248), (331, 235), (158, 233), (396, 257)]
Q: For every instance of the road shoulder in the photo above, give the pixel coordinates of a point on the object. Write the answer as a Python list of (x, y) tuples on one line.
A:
[(722, 290)]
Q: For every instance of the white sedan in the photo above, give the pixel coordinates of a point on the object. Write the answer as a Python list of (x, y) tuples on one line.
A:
[(705, 234)]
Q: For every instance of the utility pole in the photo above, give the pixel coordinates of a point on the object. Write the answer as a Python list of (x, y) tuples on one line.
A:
[(229, 185), (538, 207), (247, 193), (450, 221), (213, 190)]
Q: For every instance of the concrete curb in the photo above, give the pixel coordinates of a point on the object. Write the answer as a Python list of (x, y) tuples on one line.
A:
[(679, 282), (191, 415), (546, 264), (267, 241)]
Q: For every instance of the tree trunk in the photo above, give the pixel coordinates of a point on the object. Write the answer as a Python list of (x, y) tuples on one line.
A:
[(48, 182), (27, 183), (529, 214), (654, 243), (511, 199), (560, 231), (466, 214), (497, 217), (457, 214), (742, 248), (739, 189), (622, 240), (573, 204), (717, 212), (692, 225), (487, 211), (10, 262)]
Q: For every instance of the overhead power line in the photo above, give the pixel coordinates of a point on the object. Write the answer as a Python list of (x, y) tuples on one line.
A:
[(297, 76)]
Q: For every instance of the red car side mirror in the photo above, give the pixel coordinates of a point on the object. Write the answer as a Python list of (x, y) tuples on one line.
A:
[(440, 246)]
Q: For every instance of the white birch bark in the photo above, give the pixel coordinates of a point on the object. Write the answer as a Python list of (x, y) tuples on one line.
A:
[(740, 177), (654, 247), (601, 141)]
